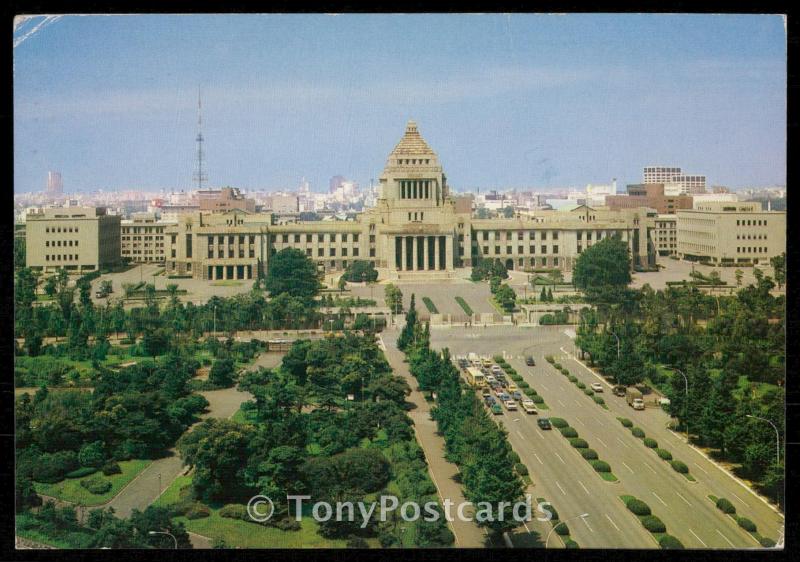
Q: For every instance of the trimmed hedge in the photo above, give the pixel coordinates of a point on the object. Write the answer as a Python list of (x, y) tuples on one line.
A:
[(746, 524), (626, 422), (521, 469), (598, 400), (568, 432), (580, 385), (234, 511), (650, 442), (96, 485), (197, 510), (549, 359), (572, 378), (528, 390), (111, 468), (514, 457), (562, 529), (589, 454), (588, 392), (638, 507), (569, 543), (726, 506), (679, 466), (558, 423), (600, 466), (579, 443), (638, 432), (664, 454), (537, 399), (81, 472), (767, 542), (653, 524), (669, 542), (524, 385), (557, 366)]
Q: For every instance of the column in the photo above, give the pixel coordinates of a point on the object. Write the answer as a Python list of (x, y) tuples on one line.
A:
[(404, 247), (415, 252), (448, 241), (391, 253), (436, 252), (425, 252)]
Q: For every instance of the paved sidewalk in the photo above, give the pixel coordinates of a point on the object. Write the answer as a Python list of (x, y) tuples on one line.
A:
[(442, 472)]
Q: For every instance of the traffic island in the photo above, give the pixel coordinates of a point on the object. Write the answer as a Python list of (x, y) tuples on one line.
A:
[(727, 507), (601, 467), (678, 466), (559, 527), (654, 525)]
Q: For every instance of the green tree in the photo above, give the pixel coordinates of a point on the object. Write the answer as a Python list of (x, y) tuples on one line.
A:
[(291, 271), (738, 274), (543, 295), (779, 267), (19, 252), (222, 373), (407, 334), (604, 264), (506, 297), (361, 270)]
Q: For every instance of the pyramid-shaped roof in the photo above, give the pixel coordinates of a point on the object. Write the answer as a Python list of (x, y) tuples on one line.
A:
[(412, 142)]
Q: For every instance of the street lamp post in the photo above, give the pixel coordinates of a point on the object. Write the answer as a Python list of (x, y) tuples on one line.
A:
[(616, 336), (582, 515), (686, 402), (151, 533), (777, 436)]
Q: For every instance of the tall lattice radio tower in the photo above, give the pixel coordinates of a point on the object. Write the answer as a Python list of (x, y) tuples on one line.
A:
[(200, 176)]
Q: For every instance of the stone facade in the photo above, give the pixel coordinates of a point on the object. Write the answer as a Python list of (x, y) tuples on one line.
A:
[(142, 239), (78, 239), (416, 229)]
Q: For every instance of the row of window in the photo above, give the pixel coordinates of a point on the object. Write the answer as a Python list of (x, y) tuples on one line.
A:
[(58, 229), (751, 237), (751, 222), (752, 250), (521, 235), (142, 229), (520, 250), (58, 243), (412, 161), (61, 257)]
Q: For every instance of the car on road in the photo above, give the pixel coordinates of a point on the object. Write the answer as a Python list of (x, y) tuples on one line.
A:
[(496, 409), (490, 401), (486, 392), (490, 379), (544, 423), (516, 395), (619, 390), (510, 405), (504, 397), (512, 387), (529, 361), (504, 383), (496, 369), (634, 398), (529, 407), (597, 387)]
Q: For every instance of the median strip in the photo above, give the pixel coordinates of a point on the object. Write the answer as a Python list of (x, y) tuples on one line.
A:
[(524, 386), (726, 507), (678, 466), (559, 527), (574, 380), (653, 524), (602, 468)]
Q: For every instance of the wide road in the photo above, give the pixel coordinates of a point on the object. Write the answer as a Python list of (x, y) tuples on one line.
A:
[(570, 482)]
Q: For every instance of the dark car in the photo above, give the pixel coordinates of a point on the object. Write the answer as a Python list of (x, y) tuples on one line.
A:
[(490, 400), (516, 395), (529, 361), (619, 390), (544, 423), (496, 409)]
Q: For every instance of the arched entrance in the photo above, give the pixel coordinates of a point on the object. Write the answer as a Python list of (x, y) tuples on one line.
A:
[(509, 264)]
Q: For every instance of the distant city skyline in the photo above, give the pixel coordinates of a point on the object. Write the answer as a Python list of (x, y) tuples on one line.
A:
[(505, 100)]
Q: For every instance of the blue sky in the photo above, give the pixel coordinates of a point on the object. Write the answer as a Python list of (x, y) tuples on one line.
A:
[(505, 100)]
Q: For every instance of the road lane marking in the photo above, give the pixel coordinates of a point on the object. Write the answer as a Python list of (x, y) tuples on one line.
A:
[(584, 488), (650, 467), (684, 499), (698, 538), (563, 491), (740, 499), (560, 402), (623, 443), (626, 466), (700, 467), (598, 422), (559, 457), (537, 458), (580, 422), (540, 433), (611, 521), (587, 524), (601, 441), (659, 499), (561, 388), (724, 537), (579, 403), (520, 434), (544, 387)]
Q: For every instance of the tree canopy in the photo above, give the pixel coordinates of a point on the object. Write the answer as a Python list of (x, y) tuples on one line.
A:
[(292, 272)]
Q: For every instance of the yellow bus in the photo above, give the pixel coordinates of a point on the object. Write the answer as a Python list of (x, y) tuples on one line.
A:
[(475, 377)]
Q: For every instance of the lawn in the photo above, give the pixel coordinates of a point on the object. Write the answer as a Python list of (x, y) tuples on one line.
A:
[(242, 534), (429, 305), (464, 306), (70, 489), (227, 283)]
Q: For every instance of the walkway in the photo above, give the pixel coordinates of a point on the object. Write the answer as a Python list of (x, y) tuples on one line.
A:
[(442, 472)]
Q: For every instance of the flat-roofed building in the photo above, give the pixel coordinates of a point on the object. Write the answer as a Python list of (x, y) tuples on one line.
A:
[(78, 239), (650, 195), (723, 232), (665, 235), (142, 238)]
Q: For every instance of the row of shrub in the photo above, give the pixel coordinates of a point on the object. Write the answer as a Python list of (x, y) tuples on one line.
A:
[(523, 385), (561, 529), (590, 455), (727, 507), (651, 522), (574, 380), (678, 466)]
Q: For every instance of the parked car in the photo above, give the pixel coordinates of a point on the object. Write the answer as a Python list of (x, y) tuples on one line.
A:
[(510, 405), (544, 423), (512, 387), (529, 361), (496, 409), (597, 387), (516, 395), (634, 398), (529, 407)]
